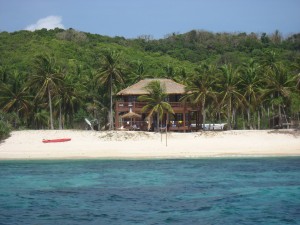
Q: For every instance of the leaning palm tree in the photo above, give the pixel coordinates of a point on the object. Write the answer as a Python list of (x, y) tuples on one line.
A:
[(110, 73), (46, 80), (156, 100)]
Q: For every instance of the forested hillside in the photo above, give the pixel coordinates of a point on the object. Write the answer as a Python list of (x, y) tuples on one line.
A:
[(55, 78)]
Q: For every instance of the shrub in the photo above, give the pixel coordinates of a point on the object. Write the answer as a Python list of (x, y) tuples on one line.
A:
[(4, 130), (5, 127)]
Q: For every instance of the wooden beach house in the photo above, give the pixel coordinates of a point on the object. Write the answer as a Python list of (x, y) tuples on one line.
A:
[(129, 114)]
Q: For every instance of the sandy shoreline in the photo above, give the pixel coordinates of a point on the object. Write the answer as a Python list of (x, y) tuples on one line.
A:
[(145, 145)]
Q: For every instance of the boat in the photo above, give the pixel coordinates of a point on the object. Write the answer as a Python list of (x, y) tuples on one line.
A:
[(56, 140)]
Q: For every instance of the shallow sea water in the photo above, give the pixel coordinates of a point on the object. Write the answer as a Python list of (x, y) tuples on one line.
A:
[(198, 191)]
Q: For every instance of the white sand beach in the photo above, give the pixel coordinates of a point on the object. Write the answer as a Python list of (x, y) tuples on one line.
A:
[(146, 145)]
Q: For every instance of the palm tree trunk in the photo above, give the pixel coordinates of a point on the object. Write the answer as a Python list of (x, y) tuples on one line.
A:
[(234, 118), (249, 113), (298, 117), (157, 126), (286, 119), (280, 116), (203, 112), (258, 120), (167, 122), (249, 118), (244, 125), (269, 122), (50, 108), (60, 120), (228, 114), (111, 104)]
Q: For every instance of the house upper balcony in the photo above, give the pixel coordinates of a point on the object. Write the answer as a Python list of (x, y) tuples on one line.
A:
[(123, 106)]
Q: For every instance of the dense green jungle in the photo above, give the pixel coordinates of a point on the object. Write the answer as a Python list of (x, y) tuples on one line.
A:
[(53, 79)]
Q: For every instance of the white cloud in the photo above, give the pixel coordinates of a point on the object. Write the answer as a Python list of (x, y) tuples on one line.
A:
[(49, 22)]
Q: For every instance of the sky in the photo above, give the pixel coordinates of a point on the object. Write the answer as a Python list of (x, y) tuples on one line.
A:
[(157, 18)]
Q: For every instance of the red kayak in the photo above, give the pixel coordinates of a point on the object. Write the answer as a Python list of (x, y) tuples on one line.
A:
[(56, 140)]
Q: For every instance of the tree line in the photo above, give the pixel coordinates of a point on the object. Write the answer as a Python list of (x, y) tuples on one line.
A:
[(247, 97), (78, 74)]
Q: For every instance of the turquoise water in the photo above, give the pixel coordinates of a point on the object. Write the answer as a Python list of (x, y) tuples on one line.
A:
[(202, 191)]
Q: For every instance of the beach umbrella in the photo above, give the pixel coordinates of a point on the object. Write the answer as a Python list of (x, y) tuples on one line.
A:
[(131, 115)]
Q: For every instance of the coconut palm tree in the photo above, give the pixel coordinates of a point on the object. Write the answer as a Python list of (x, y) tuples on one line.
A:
[(109, 75), (4, 74), (269, 60), (40, 119), (138, 72), (279, 84), (169, 71), (250, 84), (229, 92), (46, 80), (201, 88), (297, 79), (68, 98), (156, 100), (295, 66), (14, 96), (97, 105), (182, 76)]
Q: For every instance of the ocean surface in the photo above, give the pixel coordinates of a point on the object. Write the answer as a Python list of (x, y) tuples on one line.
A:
[(200, 191)]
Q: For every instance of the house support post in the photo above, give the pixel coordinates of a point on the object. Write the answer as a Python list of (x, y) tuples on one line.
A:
[(184, 119), (117, 117)]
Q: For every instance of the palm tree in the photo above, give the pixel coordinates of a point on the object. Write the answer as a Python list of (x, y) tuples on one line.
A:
[(156, 100), (269, 60), (250, 83), (97, 105), (169, 70), (68, 98), (4, 74), (297, 79), (46, 79), (279, 85), (229, 91), (14, 96), (40, 119), (110, 74), (182, 76), (296, 68), (201, 88), (137, 73)]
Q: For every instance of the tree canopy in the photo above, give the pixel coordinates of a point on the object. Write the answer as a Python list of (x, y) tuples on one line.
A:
[(64, 76)]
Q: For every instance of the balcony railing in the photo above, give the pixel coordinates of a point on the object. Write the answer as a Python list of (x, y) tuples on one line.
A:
[(137, 106), (143, 126)]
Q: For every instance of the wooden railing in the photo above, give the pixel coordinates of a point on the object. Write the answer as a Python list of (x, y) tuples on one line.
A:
[(137, 106)]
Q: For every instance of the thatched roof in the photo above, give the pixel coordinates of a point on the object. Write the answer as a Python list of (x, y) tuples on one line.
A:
[(139, 88), (131, 115)]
